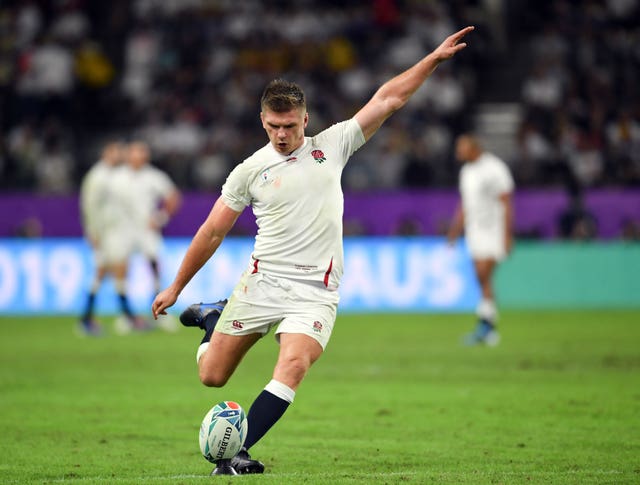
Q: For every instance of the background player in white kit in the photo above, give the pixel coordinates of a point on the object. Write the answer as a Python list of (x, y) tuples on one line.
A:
[(153, 199), (104, 218), (293, 187), (486, 215)]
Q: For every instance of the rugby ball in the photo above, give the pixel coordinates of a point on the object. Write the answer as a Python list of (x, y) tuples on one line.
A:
[(223, 431)]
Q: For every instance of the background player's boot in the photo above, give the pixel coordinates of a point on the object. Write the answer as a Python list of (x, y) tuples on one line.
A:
[(168, 323), (89, 327), (141, 324), (243, 463), (485, 333), (196, 315)]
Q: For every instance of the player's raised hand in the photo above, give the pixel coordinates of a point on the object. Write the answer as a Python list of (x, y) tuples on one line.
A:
[(163, 300), (452, 45)]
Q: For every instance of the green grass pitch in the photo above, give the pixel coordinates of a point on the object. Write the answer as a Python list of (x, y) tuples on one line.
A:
[(395, 399)]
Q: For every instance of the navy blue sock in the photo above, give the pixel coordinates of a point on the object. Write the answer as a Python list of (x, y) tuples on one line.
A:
[(487, 323), (207, 336), (155, 270), (88, 312), (124, 305), (265, 411), (210, 322)]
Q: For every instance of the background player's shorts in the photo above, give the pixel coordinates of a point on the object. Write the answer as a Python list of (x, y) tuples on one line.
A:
[(148, 242), (486, 244), (260, 302), (115, 247)]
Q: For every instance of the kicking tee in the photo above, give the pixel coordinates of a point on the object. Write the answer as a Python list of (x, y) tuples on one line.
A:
[(298, 204)]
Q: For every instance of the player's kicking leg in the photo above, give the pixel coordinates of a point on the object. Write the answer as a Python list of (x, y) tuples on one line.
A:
[(217, 357), (297, 353)]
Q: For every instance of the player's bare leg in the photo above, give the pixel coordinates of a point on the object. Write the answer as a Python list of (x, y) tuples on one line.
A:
[(88, 324), (486, 310), (297, 354), (218, 357), (222, 356), (131, 321), (484, 273)]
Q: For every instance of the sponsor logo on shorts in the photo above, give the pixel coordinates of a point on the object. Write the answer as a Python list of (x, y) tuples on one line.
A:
[(317, 326), (237, 324)]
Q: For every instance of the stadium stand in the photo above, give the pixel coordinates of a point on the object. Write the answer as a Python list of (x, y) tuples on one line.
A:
[(551, 86)]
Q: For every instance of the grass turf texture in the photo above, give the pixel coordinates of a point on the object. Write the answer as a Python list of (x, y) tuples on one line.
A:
[(395, 399)]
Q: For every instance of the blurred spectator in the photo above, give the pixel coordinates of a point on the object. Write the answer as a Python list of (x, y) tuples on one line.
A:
[(30, 228), (92, 67), (170, 71), (408, 226), (542, 89), (25, 149), (577, 222), (630, 230), (140, 53), (211, 171), (47, 70), (54, 169), (71, 23), (536, 154), (28, 22)]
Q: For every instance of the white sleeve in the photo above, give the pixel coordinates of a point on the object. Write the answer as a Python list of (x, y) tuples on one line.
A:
[(347, 135), (89, 203), (164, 184), (235, 191), (502, 179)]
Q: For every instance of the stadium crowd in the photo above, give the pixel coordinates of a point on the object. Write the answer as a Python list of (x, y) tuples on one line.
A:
[(184, 76)]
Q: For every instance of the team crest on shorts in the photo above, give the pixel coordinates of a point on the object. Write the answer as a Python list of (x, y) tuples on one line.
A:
[(317, 326), (318, 156)]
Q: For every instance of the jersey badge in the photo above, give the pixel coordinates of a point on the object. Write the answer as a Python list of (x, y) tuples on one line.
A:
[(268, 179), (318, 156)]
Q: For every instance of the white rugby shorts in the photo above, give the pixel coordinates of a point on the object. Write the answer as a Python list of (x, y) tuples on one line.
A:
[(486, 244), (148, 242), (115, 247), (261, 302)]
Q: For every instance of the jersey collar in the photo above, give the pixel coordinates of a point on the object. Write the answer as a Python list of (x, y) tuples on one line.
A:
[(294, 153)]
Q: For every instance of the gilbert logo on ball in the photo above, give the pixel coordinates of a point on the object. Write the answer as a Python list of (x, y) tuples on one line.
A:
[(223, 431)]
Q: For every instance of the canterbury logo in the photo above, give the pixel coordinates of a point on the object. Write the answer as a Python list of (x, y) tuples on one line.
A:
[(237, 324)]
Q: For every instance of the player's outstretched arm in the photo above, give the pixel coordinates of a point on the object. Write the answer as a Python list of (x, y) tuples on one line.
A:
[(456, 228), (169, 206), (204, 244), (507, 200), (395, 93)]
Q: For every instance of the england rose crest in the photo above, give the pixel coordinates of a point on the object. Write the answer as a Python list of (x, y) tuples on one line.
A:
[(318, 156)]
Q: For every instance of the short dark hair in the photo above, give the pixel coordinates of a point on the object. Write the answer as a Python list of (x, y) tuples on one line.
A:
[(281, 96)]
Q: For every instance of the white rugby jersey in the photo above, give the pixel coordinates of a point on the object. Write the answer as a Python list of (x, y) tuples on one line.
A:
[(298, 204), (143, 190), (482, 182), (100, 204)]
